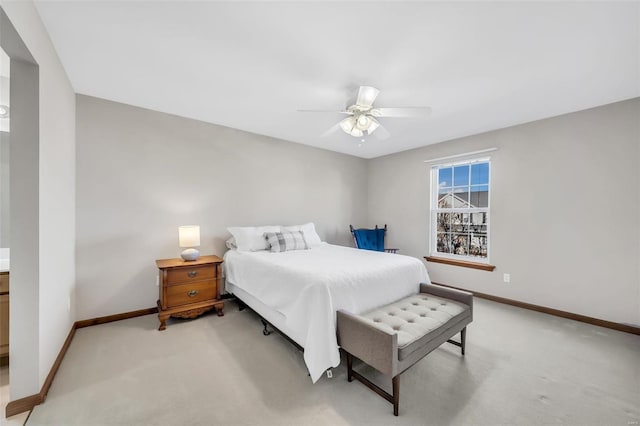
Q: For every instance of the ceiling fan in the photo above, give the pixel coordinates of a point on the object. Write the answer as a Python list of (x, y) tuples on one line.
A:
[(363, 116)]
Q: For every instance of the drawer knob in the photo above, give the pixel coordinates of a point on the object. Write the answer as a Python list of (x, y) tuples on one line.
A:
[(192, 273), (192, 293)]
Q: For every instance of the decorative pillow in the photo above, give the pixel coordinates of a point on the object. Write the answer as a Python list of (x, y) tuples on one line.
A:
[(250, 238), (311, 237), (231, 243), (285, 241)]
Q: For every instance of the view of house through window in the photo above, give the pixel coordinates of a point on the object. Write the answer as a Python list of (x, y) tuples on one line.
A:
[(460, 210)]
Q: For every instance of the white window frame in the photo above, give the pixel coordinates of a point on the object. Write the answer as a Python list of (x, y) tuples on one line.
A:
[(433, 229)]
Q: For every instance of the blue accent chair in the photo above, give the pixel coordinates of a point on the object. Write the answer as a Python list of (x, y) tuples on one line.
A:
[(370, 239)]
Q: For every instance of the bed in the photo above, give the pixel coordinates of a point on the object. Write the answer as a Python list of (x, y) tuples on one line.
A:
[(300, 291)]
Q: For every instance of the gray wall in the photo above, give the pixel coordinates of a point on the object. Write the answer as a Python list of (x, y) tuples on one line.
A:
[(4, 189), (565, 211), (560, 186), (42, 195), (141, 174)]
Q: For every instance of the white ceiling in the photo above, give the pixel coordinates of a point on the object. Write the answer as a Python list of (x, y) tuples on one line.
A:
[(251, 65)]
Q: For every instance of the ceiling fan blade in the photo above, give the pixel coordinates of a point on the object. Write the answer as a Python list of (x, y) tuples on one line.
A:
[(333, 129), (324, 110), (381, 133), (366, 96), (418, 112)]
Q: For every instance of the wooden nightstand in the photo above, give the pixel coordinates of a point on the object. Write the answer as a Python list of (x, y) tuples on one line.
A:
[(188, 289)]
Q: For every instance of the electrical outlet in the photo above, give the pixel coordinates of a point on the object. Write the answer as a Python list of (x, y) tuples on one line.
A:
[(507, 278)]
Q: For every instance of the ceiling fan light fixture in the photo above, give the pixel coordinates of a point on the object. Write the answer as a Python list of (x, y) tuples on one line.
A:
[(363, 122), (348, 124), (373, 125), (362, 117)]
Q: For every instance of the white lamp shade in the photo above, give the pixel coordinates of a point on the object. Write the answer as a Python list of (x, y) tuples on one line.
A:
[(363, 122), (373, 125), (189, 236), (348, 124)]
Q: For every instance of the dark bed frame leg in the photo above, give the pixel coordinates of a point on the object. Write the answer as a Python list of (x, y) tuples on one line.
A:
[(241, 305), (266, 332)]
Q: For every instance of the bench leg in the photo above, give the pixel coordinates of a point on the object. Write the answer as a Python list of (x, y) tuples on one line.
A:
[(396, 394), (349, 367), (463, 339), (462, 342), (394, 399)]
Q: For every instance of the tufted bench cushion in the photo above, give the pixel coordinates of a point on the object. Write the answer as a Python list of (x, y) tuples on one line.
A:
[(416, 320)]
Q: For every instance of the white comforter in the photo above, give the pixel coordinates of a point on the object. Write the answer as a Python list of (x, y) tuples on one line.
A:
[(309, 286)]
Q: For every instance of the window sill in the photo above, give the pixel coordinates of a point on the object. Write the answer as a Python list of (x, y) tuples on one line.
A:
[(462, 263)]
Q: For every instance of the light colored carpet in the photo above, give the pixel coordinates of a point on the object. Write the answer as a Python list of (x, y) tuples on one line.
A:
[(521, 368)]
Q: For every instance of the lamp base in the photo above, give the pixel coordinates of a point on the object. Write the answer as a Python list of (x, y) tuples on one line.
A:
[(190, 254)]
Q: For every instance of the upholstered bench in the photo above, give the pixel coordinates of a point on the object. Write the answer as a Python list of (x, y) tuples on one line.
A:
[(392, 338)]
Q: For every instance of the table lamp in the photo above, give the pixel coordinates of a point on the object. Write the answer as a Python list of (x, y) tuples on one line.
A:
[(189, 237)]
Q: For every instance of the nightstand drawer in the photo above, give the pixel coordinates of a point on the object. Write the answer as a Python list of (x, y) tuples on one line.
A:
[(186, 274), (4, 283), (191, 292)]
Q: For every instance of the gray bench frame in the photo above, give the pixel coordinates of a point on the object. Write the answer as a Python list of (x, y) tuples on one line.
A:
[(379, 348)]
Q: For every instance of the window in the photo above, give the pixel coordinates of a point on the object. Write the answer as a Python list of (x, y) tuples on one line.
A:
[(460, 210)]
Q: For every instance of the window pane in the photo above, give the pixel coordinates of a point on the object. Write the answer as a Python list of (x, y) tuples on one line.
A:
[(461, 175), (478, 246), (479, 196), (466, 222), (479, 173), (460, 244), (457, 224), (478, 223), (445, 177), (444, 243), (477, 218), (461, 197), (445, 201), (444, 222)]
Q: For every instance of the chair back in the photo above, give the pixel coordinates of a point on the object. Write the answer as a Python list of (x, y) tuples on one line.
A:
[(369, 239)]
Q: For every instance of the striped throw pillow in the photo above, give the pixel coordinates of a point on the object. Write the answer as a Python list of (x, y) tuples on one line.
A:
[(285, 241)]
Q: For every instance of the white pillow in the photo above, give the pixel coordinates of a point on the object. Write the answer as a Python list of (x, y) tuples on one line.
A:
[(251, 238), (309, 231), (231, 243)]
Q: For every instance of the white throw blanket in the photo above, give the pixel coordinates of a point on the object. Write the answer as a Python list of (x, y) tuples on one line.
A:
[(309, 286)]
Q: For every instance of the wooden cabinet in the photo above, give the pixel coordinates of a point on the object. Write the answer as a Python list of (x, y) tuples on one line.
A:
[(4, 313), (188, 289)]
